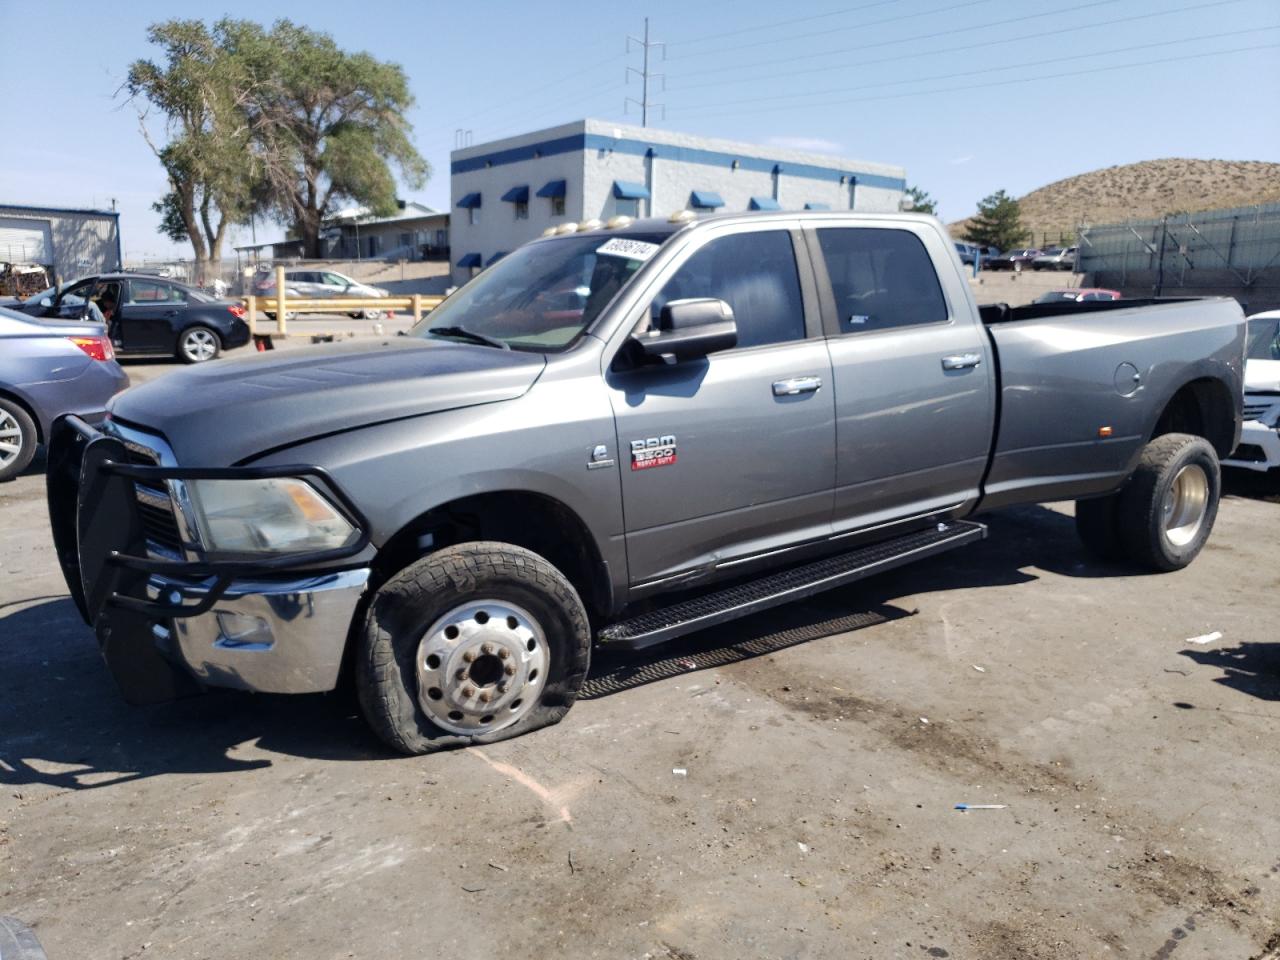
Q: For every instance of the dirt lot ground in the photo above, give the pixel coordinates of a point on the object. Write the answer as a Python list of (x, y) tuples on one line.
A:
[(781, 787)]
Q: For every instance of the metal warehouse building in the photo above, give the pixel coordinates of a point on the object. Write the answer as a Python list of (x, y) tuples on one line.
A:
[(508, 191), (71, 243)]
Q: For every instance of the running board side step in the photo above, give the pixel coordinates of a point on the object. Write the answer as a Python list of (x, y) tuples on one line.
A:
[(658, 626)]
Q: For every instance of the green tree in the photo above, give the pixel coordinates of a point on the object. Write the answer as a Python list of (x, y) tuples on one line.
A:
[(921, 201), (998, 223), (198, 90), (327, 125)]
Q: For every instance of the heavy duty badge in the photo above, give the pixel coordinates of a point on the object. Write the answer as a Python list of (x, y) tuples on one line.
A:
[(653, 452)]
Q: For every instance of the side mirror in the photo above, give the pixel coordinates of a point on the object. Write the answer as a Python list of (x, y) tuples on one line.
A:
[(688, 330), (46, 302)]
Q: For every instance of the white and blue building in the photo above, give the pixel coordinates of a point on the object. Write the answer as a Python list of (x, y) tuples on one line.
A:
[(507, 192)]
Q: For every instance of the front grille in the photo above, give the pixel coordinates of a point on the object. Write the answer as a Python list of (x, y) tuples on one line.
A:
[(1252, 411), (155, 508)]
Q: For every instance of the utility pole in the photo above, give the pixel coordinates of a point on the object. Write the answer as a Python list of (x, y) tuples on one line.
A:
[(645, 76)]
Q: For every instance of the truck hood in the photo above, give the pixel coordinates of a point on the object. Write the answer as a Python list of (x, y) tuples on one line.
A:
[(1262, 375), (221, 413)]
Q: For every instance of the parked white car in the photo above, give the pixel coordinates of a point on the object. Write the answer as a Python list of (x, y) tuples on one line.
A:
[(1259, 447)]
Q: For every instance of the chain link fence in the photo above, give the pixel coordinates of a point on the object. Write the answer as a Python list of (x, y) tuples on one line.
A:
[(1233, 253)]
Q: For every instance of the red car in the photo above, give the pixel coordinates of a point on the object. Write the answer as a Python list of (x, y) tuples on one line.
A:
[(1080, 295)]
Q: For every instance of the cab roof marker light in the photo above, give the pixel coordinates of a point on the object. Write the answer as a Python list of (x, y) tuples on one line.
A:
[(621, 220), (549, 232), (566, 228), (590, 225), (682, 216)]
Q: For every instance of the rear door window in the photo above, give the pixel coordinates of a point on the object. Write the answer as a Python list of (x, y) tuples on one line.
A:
[(881, 279), (150, 291), (755, 273)]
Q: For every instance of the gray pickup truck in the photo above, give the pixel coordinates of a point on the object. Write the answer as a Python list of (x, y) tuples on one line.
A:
[(618, 434)]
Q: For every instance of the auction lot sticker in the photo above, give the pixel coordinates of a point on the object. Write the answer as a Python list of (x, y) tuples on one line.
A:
[(631, 249)]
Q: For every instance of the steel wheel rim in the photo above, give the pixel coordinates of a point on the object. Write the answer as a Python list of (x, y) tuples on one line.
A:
[(10, 438), (1185, 505), (481, 667), (199, 345)]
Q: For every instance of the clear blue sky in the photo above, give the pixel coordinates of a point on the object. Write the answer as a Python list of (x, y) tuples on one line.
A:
[(969, 95)]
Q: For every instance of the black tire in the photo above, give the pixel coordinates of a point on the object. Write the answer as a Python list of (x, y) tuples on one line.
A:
[(1143, 528), (407, 606), (15, 418), (1097, 526), (199, 344)]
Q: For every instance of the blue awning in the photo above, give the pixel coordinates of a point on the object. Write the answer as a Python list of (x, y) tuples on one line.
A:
[(626, 190), (553, 188), (496, 257), (817, 206), (470, 201), (707, 199), (471, 260), (764, 203), (516, 195)]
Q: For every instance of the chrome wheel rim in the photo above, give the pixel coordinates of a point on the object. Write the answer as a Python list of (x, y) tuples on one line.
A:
[(199, 345), (11, 438), (481, 667), (1185, 505)]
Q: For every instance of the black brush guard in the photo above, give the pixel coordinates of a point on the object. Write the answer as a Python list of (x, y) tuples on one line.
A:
[(102, 552)]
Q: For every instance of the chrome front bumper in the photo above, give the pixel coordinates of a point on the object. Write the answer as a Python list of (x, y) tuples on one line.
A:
[(270, 636)]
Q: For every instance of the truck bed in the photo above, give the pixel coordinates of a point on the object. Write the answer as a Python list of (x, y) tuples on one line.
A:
[(1081, 387)]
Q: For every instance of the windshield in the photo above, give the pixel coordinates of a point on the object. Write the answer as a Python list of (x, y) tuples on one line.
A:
[(1264, 339), (542, 296)]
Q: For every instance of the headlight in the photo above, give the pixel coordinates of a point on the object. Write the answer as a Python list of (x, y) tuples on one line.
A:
[(280, 515)]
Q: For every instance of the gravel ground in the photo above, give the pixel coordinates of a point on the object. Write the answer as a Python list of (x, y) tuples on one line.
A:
[(780, 787)]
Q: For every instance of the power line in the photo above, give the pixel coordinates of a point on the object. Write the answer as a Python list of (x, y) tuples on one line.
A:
[(890, 43), (969, 73), (536, 91), (874, 23), (1037, 35), (1005, 83), (779, 23)]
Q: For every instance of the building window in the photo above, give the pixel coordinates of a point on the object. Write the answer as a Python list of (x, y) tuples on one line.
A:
[(557, 206), (522, 209), (627, 206), (473, 215)]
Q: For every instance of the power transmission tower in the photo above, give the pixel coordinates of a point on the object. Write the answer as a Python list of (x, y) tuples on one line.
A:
[(645, 76)]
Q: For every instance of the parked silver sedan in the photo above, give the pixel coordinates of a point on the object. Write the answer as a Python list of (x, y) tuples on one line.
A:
[(319, 285), (49, 368), (1059, 258)]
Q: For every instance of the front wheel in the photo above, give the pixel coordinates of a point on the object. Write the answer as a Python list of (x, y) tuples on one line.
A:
[(475, 643), (199, 345)]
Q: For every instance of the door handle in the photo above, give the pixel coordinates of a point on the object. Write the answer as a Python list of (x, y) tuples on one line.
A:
[(796, 385), (961, 361)]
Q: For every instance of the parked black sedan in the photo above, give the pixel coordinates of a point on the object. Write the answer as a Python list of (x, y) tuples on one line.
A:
[(148, 316)]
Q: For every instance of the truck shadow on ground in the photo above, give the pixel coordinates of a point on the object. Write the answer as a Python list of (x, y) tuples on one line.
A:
[(65, 725), (1250, 484)]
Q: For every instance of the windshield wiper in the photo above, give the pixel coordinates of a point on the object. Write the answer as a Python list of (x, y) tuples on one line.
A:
[(469, 335)]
